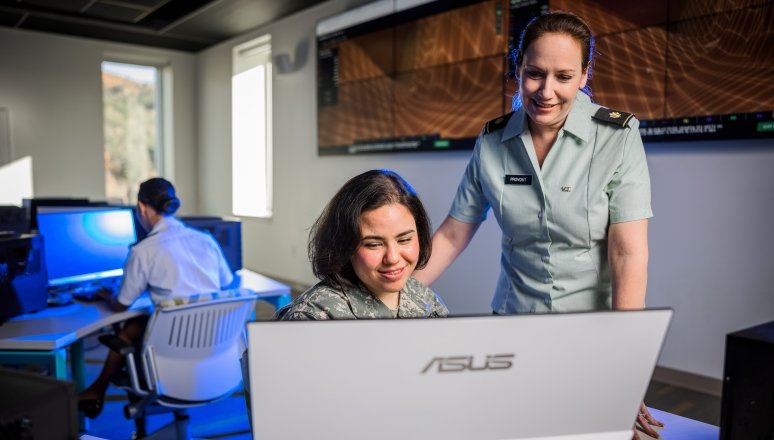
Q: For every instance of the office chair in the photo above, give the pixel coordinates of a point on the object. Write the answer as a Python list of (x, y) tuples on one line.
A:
[(190, 356)]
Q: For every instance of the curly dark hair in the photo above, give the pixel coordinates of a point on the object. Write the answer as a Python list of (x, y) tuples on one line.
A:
[(335, 235), (556, 22)]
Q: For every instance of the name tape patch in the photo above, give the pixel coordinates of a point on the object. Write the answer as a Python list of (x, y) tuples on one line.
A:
[(518, 179)]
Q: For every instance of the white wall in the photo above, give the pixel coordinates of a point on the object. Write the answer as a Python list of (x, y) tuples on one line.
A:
[(304, 182), (711, 257), (52, 88), (711, 245)]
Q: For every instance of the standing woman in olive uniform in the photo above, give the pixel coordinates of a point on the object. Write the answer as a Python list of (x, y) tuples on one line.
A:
[(568, 184)]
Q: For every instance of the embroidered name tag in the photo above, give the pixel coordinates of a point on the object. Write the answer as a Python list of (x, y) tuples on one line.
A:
[(518, 179)]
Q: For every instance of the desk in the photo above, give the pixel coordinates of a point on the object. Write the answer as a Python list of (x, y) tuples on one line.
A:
[(681, 428), (266, 288), (42, 338)]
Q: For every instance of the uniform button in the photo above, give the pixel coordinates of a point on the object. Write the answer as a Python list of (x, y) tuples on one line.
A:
[(540, 215), (547, 301), (545, 258)]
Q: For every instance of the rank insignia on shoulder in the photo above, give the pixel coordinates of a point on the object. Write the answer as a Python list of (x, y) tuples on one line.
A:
[(497, 123), (615, 117)]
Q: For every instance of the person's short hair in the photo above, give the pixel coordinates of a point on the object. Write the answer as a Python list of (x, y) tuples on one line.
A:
[(335, 236), (159, 194)]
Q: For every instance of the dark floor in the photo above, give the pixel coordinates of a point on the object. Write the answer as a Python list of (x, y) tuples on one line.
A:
[(684, 402)]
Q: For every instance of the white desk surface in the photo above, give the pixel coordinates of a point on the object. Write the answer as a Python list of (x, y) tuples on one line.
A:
[(681, 428), (262, 285), (57, 327)]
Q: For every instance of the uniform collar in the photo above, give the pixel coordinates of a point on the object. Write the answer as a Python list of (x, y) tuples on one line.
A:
[(367, 306), (163, 224), (516, 125), (578, 122)]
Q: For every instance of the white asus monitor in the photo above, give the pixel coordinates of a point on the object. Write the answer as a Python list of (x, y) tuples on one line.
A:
[(578, 376)]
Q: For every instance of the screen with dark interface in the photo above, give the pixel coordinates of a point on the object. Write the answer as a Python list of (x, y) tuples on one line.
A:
[(425, 78), (428, 77), (688, 69), (88, 245)]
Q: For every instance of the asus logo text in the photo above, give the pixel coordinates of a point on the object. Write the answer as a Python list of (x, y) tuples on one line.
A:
[(456, 364)]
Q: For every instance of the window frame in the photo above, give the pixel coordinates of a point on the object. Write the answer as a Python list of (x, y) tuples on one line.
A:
[(162, 151), (247, 56)]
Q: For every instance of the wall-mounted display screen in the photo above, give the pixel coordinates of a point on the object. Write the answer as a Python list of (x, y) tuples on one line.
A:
[(414, 75)]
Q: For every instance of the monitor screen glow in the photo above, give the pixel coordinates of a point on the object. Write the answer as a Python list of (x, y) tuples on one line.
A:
[(83, 246)]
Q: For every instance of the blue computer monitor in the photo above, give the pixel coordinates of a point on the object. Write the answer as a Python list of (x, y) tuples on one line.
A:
[(86, 245), (36, 204), (227, 232)]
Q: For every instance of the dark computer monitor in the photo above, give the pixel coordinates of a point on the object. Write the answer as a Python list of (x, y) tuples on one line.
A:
[(86, 245), (32, 206), (37, 407), (13, 220), (227, 232)]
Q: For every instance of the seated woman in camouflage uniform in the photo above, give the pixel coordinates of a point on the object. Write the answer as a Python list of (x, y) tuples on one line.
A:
[(364, 247)]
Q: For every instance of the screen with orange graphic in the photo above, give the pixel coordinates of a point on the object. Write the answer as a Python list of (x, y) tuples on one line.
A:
[(428, 77)]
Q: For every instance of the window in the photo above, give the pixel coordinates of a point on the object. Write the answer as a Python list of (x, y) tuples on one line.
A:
[(131, 99), (251, 129)]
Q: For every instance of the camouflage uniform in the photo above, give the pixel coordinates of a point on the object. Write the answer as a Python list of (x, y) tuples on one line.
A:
[(325, 302)]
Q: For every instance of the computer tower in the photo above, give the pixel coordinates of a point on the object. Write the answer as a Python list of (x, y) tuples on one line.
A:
[(13, 220), (37, 407), (747, 408), (23, 276)]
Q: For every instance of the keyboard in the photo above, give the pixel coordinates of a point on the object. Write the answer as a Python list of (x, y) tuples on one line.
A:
[(89, 292), (57, 299), (85, 291)]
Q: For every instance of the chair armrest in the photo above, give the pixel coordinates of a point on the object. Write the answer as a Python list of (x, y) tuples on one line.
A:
[(116, 344)]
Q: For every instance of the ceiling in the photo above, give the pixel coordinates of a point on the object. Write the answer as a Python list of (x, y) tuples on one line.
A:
[(187, 25)]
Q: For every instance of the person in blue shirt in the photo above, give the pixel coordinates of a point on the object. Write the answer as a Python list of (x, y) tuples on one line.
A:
[(172, 261)]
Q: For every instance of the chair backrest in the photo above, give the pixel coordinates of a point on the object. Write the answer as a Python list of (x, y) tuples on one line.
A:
[(191, 352)]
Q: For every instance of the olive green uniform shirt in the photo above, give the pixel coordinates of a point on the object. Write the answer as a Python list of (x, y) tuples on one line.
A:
[(325, 302), (555, 219)]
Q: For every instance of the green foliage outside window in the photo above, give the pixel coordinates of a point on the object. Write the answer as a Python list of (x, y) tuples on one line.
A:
[(130, 131)]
